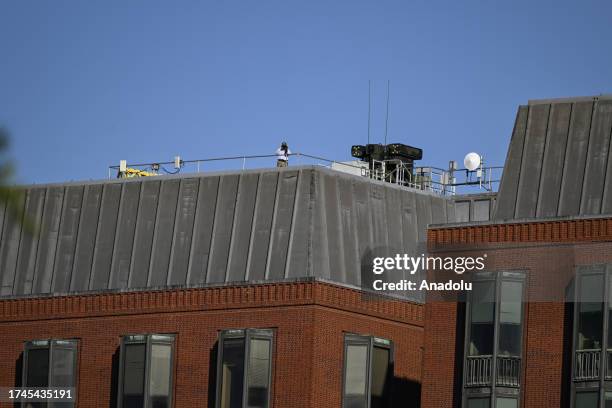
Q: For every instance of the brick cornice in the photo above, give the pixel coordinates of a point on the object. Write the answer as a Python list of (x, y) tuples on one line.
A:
[(210, 299), (553, 231)]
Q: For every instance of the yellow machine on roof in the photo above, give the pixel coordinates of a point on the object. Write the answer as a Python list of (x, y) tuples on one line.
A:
[(131, 172)]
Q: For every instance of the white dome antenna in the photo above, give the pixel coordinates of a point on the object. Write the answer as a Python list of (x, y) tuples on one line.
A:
[(472, 161)]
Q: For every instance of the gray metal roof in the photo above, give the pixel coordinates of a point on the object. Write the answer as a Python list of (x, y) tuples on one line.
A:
[(558, 162), (270, 224)]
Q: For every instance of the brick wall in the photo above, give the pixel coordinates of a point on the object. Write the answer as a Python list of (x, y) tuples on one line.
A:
[(310, 319), (549, 253)]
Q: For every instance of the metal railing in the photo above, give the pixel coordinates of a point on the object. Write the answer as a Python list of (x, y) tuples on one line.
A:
[(430, 179), (508, 371), (231, 163), (478, 370), (587, 365)]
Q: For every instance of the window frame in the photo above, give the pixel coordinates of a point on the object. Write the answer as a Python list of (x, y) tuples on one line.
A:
[(148, 340), (371, 342), (492, 391), (601, 385), (51, 345), (247, 335)]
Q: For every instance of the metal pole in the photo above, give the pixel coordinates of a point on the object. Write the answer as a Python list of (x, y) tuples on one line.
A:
[(369, 107), (387, 120), (243, 162)]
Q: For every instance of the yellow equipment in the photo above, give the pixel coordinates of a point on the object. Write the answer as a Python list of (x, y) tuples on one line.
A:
[(131, 172)]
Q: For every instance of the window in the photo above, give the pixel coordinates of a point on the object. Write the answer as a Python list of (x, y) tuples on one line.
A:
[(50, 363), (145, 373), (244, 368), (494, 335), (587, 400), (479, 403), (367, 372), (592, 341)]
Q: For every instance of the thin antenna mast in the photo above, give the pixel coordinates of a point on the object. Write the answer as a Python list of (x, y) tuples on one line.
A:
[(387, 120), (369, 107)]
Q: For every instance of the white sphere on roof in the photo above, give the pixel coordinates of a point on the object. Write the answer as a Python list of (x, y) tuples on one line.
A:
[(472, 161)]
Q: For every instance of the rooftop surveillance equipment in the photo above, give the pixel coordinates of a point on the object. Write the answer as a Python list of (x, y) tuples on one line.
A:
[(472, 161), (392, 162)]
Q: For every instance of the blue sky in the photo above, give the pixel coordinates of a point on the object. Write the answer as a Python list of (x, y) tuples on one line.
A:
[(84, 84)]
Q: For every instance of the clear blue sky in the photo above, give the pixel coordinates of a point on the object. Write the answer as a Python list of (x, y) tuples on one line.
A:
[(86, 83)]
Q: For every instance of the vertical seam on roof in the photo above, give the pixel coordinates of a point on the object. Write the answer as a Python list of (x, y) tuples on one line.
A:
[(272, 225), (231, 240), (117, 227), (567, 148), (23, 217), (155, 225), (604, 189), (172, 236), (78, 234), (37, 236), (544, 150), (196, 212), (520, 165), (129, 272), (233, 229), (131, 269), (212, 232), (586, 158), (57, 240), (311, 210), (298, 184), (342, 248), (253, 224), (95, 249)]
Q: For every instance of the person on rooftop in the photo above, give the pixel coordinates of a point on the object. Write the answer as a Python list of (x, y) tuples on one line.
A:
[(282, 155)]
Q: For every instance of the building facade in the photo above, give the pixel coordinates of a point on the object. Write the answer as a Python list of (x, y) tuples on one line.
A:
[(254, 288)]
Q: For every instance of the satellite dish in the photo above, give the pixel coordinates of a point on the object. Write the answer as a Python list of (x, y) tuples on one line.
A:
[(472, 161)]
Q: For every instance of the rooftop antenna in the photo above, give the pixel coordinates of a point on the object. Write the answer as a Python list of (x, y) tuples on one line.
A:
[(369, 107), (387, 120)]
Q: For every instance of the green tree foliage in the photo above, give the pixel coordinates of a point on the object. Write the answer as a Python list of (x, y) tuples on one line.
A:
[(10, 197)]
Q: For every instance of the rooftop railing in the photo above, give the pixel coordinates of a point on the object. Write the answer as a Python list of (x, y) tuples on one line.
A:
[(427, 178)]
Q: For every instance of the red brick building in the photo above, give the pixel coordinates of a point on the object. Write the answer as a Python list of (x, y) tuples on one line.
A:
[(254, 288), (553, 256), (309, 319)]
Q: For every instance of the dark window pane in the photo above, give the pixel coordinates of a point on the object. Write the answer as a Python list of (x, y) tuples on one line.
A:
[(380, 377), (63, 370), (159, 376), (258, 378), (63, 367), (610, 323), (587, 400), (356, 376), (590, 318), (38, 368), (482, 316), (479, 403), (232, 373), (501, 402), (608, 399), (133, 375), (510, 317)]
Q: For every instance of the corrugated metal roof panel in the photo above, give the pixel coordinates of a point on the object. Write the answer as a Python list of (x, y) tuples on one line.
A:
[(558, 162)]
